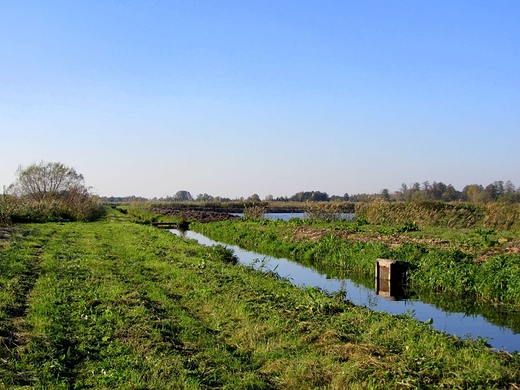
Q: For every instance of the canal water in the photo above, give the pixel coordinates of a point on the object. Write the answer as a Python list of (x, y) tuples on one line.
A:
[(500, 327), (287, 216)]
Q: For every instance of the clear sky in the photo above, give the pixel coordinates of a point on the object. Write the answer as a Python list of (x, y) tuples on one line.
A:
[(233, 98)]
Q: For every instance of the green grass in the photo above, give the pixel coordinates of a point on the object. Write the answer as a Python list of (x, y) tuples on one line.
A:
[(468, 263), (117, 305)]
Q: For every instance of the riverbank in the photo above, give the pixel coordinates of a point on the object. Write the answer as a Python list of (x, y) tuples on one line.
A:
[(468, 263), (114, 304), (498, 325)]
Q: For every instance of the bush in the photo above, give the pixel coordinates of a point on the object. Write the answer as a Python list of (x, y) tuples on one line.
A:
[(256, 210), (46, 192)]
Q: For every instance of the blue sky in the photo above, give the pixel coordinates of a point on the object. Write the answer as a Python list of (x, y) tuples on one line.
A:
[(233, 98)]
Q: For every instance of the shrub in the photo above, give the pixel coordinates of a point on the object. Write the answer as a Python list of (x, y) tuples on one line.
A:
[(256, 210), (47, 192)]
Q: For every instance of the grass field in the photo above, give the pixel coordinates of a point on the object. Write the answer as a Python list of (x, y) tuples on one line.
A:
[(467, 263), (116, 305)]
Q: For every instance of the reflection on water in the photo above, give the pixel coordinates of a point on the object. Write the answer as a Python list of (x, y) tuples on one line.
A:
[(181, 232), (501, 327), (390, 290), (288, 216)]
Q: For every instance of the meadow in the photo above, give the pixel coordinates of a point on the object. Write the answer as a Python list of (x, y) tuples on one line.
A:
[(118, 305)]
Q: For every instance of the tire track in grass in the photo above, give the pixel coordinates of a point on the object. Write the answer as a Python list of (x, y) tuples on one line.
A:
[(20, 267), (81, 314), (100, 318), (209, 360)]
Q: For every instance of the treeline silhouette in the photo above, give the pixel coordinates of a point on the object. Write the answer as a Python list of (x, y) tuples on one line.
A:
[(475, 193)]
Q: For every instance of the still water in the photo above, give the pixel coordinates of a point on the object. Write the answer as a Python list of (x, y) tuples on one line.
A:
[(499, 327), (288, 216)]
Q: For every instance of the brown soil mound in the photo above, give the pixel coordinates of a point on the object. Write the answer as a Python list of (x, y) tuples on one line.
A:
[(195, 215)]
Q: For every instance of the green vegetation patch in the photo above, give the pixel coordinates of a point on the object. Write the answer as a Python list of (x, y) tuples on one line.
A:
[(114, 304), (469, 263)]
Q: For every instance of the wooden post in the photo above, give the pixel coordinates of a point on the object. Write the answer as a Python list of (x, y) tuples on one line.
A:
[(385, 269), (390, 275)]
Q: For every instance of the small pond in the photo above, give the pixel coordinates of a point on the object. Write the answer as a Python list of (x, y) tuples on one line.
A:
[(499, 326)]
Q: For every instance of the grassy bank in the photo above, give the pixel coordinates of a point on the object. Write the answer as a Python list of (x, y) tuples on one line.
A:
[(118, 305), (471, 263)]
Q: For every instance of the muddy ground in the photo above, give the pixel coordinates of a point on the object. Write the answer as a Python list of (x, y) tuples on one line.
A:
[(201, 215)]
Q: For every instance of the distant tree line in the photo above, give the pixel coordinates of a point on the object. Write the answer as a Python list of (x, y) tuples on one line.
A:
[(180, 196), (310, 196), (475, 193), (123, 199)]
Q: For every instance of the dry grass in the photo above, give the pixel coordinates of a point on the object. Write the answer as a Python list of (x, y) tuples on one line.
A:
[(502, 216)]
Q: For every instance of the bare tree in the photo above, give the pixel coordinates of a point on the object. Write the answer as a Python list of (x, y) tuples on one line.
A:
[(39, 180)]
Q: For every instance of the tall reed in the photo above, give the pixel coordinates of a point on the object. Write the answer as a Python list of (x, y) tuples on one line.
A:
[(502, 216)]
